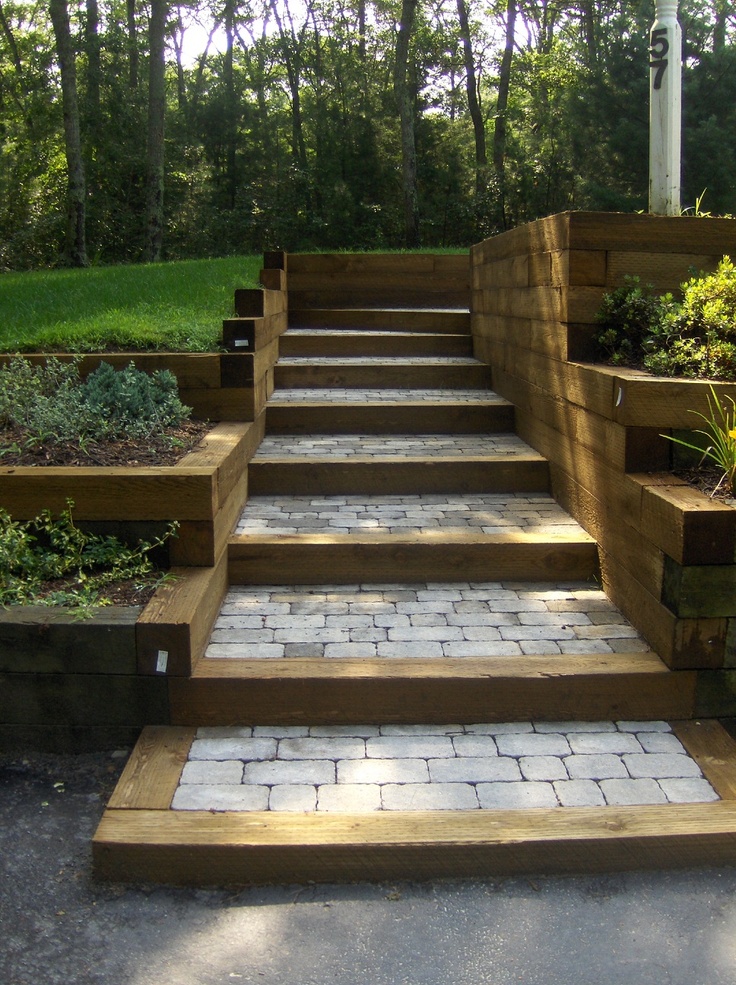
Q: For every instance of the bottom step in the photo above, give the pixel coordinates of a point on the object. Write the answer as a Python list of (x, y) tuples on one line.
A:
[(141, 838)]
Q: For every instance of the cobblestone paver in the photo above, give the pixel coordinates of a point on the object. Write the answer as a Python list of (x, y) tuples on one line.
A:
[(488, 514), (378, 361), (421, 621), (453, 767), (400, 446), (365, 395)]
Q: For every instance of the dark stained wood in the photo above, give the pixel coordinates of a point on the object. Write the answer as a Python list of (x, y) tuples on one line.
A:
[(386, 417), (49, 640)]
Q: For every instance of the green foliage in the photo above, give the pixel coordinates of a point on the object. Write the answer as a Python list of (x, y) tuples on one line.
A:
[(51, 403), (51, 549), (693, 338), (720, 435), (131, 402), (627, 316)]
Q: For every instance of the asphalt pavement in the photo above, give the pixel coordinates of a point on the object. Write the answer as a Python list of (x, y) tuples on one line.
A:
[(58, 926)]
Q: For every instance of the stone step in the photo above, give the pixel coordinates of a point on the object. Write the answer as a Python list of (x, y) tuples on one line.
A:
[(326, 411), (446, 321), (379, 372), (321, 464), (264, 803), (333, 342)]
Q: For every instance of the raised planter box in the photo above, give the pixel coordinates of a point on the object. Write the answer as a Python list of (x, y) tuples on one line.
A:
[(667, 552)]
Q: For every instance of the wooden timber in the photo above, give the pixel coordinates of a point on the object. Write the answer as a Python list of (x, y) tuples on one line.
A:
[(337, 691), (395, 476), (140, 839), (416, 320), (390, 417), (412, 375), (363, 343), (431, 556)]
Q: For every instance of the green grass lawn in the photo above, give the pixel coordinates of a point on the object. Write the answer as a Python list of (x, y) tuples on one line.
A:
[(168, 306)]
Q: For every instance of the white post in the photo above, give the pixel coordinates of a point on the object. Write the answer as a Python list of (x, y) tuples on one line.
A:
[(665, 95)]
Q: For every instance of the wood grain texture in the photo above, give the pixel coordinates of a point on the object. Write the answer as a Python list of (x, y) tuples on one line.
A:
[(396, 476), (153, 771), (198, 848), (714, 750), (444, 556), (387, 417), (341, 691)]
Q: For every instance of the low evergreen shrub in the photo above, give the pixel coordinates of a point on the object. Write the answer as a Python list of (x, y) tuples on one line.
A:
[(51, 402), (693, 338)]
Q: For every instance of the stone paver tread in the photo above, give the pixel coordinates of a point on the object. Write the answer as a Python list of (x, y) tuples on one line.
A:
[(337, 395), (421, 621), (490, 513), (402, 446), (418, 767)]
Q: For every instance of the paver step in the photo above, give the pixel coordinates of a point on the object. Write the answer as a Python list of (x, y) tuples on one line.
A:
[(448, 321), (379, 372), (268, 804), (320, 412), (401, 463), (350, 342), (425, 652)]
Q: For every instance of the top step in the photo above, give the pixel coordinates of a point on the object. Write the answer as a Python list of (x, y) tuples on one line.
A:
[(444, 321)]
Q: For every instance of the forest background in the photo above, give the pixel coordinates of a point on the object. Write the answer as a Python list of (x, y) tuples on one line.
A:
[(137, 131)]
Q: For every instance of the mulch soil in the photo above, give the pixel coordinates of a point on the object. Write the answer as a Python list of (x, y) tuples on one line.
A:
[(168, 448)]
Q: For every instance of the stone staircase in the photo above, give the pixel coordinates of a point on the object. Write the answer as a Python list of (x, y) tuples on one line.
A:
[(414, 672)]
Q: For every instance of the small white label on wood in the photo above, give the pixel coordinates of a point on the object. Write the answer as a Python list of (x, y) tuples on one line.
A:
[(162, 661)]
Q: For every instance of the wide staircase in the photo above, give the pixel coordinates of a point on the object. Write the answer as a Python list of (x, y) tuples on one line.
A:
[(414, 672)]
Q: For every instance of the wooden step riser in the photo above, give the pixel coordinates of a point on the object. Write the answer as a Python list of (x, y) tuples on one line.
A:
[(381, 376), (307, 477), (385, 418), (429, 700), (375, 345), (260, 560), (382, 320), (193, 849)]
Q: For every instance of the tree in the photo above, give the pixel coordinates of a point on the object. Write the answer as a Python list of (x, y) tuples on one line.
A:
[(405, 105), (155, 144), (76, 244)]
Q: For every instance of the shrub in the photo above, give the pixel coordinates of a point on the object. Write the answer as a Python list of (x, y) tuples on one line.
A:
[(694, 337), (627, 315), (48, 549), (132, 402), (51, 403)]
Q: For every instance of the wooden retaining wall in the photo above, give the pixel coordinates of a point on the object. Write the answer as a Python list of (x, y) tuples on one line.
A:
[(375, 280), (667, 553)]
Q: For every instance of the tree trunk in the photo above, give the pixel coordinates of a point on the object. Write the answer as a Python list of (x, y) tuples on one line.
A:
[(76, 244), (499, 133), (155, 151), (471, 86), (132, 45), (405, 106)]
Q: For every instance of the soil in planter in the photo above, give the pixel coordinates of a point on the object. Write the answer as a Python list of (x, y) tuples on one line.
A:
[(165, 448), (707, 479), (134, 591)]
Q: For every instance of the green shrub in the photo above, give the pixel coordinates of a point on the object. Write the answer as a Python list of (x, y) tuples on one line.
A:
[(48, 549), (51, 403), (694, 337), (132, 402), (627, 315)]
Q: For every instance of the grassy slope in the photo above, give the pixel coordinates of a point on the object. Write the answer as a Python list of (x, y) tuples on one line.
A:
[(174, 306)]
